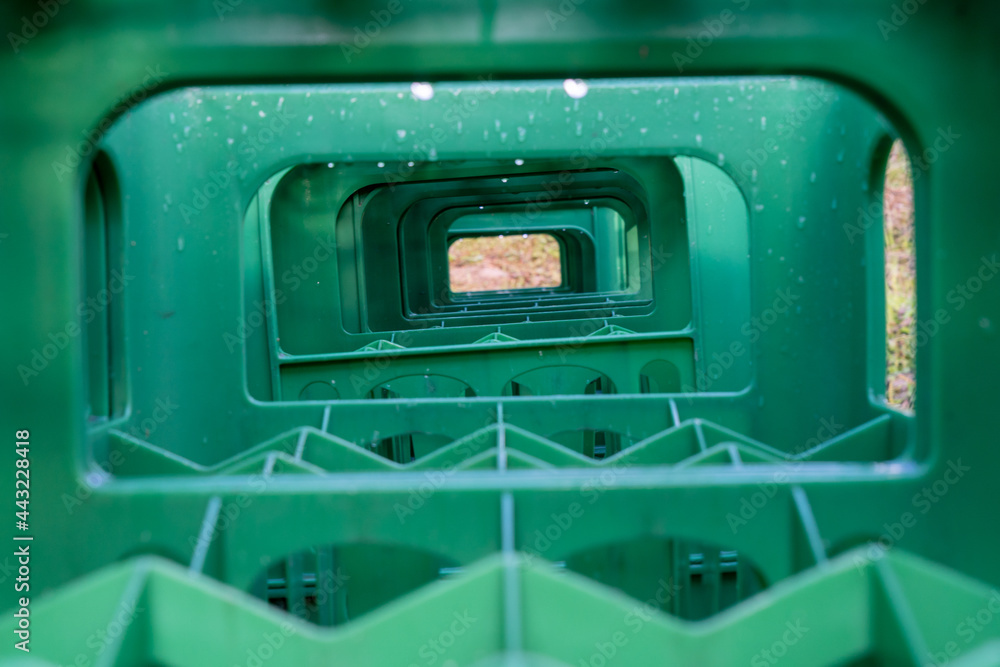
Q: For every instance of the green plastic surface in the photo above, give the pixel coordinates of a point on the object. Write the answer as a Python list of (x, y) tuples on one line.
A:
[(231, 335)]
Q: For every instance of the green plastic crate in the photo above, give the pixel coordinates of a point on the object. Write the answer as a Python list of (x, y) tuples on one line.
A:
[(245, 375)]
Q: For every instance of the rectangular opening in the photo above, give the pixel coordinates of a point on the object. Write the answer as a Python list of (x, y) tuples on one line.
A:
[(505, 262)]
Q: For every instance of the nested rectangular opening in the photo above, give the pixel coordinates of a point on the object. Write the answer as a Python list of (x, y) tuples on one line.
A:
[(726, 274), (504, 263)]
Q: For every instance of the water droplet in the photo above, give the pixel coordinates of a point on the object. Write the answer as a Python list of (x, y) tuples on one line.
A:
[(422, 90), (262, 114), (643, 130), (173, 118), (697, 139), (401, 135), (518, 162), (802, 222), (722, 159), (329, 165), (758, 207), (697, 115), (503, 180), (575, 88), (579, 129), (180, 148), (522, 133), (281, 102), (381, 165), (180, 243), (230, 141), (763, 122), (309, 120)]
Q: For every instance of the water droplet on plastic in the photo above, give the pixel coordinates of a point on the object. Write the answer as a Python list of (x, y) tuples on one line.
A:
[(518, 162), (575, 88), (422, 90)]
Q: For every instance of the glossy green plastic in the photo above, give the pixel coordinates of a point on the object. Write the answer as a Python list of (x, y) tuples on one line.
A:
[(232, 337)]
